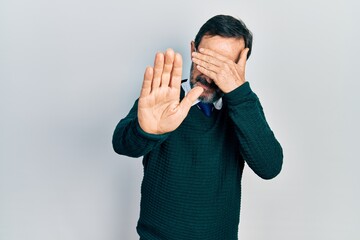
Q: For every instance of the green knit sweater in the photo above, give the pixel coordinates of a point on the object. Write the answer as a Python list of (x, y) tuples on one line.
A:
[(191, 188)]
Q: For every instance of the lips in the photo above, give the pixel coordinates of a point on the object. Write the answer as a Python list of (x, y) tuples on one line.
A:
[(202, 81), (205, 87)]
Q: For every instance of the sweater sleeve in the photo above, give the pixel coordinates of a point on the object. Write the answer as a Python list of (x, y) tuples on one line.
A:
[(258, 145), (130, 140)]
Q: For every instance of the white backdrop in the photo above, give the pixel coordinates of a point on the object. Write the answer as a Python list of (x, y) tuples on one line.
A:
[(71, 69)]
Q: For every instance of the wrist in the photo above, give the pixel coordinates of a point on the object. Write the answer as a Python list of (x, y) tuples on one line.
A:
[(233, 86), (144, 130)]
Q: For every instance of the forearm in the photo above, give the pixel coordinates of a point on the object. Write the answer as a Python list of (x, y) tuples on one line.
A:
[(257, 142), (130, 140)]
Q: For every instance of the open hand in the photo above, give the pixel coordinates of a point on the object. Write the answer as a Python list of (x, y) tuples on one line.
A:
[(159, 108)]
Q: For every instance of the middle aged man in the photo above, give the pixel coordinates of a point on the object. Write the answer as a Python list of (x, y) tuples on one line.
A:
[(196, 136)]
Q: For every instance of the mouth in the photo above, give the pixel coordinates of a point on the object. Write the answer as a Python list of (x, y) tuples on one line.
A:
[(202, 82), (205, 87)]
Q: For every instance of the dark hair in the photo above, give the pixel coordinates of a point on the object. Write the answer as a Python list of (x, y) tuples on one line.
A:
[(225, 26)]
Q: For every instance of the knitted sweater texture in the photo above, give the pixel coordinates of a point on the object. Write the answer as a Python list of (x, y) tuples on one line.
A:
[(191, 188)]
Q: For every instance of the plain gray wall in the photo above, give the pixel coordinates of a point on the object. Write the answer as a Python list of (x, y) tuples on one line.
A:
[(71, 69)]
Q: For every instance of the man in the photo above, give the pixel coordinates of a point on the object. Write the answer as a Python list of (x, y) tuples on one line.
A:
[(196, 136)]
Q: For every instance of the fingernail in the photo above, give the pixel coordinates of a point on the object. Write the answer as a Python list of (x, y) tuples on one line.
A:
[(201, 49)]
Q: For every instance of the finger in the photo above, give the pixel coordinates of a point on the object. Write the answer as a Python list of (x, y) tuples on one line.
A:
[(208, 58), (208, 52), (168, 66), (206, 65), (176, 72), (148, 78), (190, 98), (158, 69), (209, 73), (243, 56)]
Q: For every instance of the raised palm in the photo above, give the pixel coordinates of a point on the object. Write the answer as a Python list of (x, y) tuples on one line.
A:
[(159, 109)]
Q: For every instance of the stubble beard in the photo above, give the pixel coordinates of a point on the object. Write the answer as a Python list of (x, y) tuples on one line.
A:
[(210, 95)]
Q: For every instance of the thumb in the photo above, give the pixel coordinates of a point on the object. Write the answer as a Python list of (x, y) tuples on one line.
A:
[(243, 57), (190, 98)]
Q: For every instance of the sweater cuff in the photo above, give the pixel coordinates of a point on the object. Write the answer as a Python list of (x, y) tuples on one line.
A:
[(149, 136), (239, 94)]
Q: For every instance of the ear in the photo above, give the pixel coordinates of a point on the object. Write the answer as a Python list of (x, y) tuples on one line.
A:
[(192, 47)]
